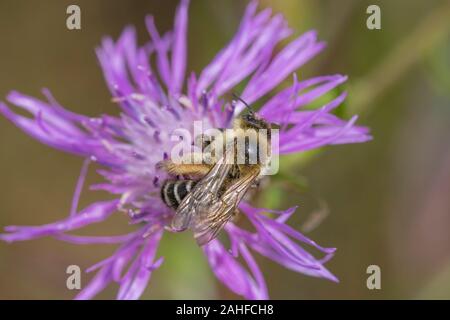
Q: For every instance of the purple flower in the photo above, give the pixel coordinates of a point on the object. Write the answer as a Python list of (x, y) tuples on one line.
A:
[(155, 99)]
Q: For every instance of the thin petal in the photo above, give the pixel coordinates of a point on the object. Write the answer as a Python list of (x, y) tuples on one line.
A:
[(161, 57), (93, 239), (95, 213), (272, 239), (79, 187), (100, 281), (311, 142), (285, 63), (232, 274), (135, 281), (302, 93), (179, 54)]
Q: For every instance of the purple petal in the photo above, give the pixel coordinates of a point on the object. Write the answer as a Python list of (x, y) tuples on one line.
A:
[(179, 54), (287, 61), (135, 281), (242, 63), (277, 105), (95, 213), (136, 278), (312, 141), (124, 58), (100, 281), (53, 127), (312, 120), (93, 239), (260, 284), (161, 56), (232, 274), (272, 240), (79, 187), (213, 70)]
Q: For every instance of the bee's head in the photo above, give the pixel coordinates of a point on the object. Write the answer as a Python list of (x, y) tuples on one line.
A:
[(251, 120)]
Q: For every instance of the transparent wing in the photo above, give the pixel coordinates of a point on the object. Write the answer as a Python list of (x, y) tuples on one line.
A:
[(208, 221), (203, 195)]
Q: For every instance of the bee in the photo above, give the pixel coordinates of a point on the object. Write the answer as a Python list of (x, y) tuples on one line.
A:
[(208, 200)]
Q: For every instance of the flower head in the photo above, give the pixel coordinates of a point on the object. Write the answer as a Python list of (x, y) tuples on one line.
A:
[(157, 98)]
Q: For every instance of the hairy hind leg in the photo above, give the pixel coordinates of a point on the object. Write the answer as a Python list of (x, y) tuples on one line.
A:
[(190, 164)]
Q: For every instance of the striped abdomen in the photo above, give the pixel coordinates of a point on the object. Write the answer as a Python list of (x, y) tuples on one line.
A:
[(174, 191)]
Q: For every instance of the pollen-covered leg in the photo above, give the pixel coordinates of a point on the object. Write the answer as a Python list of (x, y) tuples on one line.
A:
[(189, 164), (184, 169)]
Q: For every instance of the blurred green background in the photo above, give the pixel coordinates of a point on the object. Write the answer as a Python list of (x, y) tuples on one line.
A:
[(386, 202)]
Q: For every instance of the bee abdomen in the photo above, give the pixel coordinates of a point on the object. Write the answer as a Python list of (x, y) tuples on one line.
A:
[(174, 191)]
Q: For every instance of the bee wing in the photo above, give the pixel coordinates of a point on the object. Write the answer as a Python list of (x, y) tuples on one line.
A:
[(203, 195), (211, 219)]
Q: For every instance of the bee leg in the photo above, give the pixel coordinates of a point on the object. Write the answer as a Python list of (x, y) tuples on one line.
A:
[(184, 169), (190, 164)]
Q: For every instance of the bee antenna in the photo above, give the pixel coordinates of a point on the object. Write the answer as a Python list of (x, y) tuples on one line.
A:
[(242, 100)]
